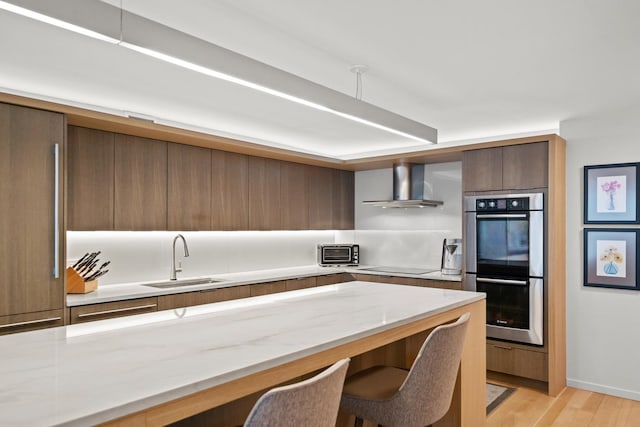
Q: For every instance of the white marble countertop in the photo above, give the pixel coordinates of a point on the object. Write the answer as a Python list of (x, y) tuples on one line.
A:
[(93, 372), (133, 290)]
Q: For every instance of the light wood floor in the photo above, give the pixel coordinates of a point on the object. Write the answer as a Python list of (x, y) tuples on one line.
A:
[(530, 407)]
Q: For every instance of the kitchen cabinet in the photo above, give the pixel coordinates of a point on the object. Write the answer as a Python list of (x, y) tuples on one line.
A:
[(264, 194), (321, 199), (332, 279), (516, 360), (268, 288), (187, 299), (189, 187), (140, 181), (229, 191), (411, 281), (31, 277), (343, 196), (110, 310), (293, 195), (513, 167), (300, 283), (90, 168)]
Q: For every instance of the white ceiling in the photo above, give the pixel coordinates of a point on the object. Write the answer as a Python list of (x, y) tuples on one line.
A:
[(472, 69)]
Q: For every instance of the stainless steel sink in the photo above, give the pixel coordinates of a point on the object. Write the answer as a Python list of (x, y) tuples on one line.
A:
[(181, 283)]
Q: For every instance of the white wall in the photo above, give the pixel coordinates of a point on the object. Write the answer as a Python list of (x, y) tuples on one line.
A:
[(406, 237), (138, 256), (603, 325)]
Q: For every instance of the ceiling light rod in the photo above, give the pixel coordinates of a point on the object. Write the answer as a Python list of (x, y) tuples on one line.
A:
[(109, 23)]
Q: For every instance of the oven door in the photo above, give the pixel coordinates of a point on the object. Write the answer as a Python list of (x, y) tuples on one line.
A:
[(515, 307), (506, 244)]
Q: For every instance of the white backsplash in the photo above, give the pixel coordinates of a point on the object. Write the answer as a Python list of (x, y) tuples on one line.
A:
[(146, 255)]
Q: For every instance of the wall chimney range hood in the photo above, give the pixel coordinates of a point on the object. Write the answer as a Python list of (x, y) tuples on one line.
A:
[(408, 188)]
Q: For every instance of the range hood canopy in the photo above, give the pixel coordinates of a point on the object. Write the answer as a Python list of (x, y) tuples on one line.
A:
[(408, 188)]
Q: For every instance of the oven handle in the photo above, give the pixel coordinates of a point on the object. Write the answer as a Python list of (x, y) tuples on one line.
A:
[(494, 216), (503, 281)]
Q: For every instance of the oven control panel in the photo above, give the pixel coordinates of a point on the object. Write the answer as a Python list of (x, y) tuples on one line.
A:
[(503, 205)]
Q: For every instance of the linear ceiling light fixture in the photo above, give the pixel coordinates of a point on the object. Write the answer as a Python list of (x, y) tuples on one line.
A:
[(105, 22)]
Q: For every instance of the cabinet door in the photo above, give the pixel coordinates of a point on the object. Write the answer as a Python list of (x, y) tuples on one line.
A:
[(343, 194), (140, 183), (110, 310), (27, 210), (482, 169), (293, 195), (300, 283), (229, 191), (525, 166), (90, 156), (264, 194), (188, 299), (332, 279), (320, 194), (189, 188), (268, 288)]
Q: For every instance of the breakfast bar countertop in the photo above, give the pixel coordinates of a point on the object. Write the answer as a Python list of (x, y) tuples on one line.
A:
[(94, 372)]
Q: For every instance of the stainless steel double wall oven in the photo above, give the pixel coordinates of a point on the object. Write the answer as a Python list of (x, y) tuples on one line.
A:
[(505, 259)]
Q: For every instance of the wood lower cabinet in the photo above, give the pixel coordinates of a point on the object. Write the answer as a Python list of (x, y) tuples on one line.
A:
[(31, 321), (28, 248), (188, 188), (140, 183), (268, 288), (300, 283), (332, 279), (396, 280), (513, 167), (516, 360), (90, 168), (168, 302), (110, 310)]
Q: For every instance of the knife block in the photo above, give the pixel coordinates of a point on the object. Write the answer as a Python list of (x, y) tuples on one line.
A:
[(77, 285)]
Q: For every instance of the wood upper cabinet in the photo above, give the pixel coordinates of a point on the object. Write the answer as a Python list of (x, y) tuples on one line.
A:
[(90, 168), (27, 215), (343, 196), (229, 191), (189, 188), (140, 193), (293, 196), (264, 194), (513, 167), (320, 190)]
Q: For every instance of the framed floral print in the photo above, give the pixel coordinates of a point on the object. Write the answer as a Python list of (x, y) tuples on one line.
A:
[(610, 194), (611, 258)]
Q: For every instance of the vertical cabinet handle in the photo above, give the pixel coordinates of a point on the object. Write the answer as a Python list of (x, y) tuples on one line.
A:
[(56, 211)]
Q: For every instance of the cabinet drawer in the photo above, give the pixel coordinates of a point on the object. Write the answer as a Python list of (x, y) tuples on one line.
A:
[(268, 288), (109, 310), (31, 321), (188, 299), (332, 279), (508, 359), (300, 283)]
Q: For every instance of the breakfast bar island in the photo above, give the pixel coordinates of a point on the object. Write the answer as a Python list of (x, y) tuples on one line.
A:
[(159, 368)]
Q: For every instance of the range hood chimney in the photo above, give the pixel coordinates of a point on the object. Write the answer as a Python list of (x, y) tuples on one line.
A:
[(408, 188)]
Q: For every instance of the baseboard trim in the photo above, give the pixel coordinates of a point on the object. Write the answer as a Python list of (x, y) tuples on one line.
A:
[(599, 388)]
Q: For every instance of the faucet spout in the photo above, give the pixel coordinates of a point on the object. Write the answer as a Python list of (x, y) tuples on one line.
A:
[(175, 270)]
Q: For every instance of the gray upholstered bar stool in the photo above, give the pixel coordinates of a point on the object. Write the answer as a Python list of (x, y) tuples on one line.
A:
[(395, 397), (312, 403)]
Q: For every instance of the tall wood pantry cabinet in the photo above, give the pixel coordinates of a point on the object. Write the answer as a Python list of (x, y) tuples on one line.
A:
[(31, 226)]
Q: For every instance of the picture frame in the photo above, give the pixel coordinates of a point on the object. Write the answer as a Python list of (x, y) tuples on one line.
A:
[(610, 194), (611, 258)]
